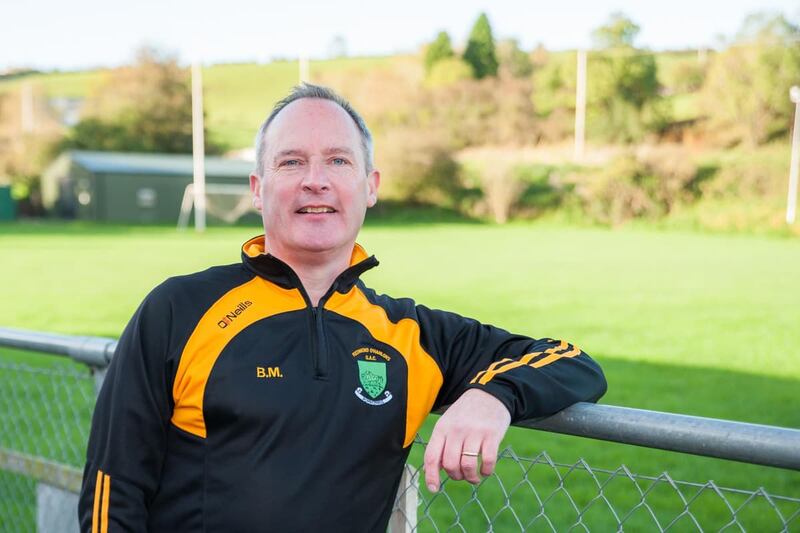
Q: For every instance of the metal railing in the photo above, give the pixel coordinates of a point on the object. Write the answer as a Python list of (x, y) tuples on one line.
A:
[(46, 405)]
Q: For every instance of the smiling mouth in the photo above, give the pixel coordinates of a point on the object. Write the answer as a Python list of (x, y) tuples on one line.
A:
[(315, 210)]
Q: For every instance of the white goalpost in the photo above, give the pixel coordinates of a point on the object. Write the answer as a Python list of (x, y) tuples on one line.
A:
[(227, 202)]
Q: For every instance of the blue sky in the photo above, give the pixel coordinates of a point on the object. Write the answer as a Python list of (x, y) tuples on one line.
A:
[(83, 33)]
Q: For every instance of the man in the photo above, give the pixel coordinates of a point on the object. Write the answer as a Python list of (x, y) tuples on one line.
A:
[(282, 394)]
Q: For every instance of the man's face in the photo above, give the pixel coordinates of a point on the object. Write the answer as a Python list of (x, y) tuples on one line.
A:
[(315, 189)]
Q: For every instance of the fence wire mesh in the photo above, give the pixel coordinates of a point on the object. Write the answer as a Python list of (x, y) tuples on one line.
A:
[(540, 494), (45, 413)]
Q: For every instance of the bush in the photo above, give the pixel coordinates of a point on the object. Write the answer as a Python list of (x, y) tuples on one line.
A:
[(612, 196), (502, 190), (669, 177), (449, 71), (746, 91), (554, 85), (744, 180), (500, 175), (558, 126), (417, 166), (648, 184), (514, 62), (685, 75), (492, 111)]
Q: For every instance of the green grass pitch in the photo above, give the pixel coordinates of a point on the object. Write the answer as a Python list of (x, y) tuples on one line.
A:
[(690, 323)]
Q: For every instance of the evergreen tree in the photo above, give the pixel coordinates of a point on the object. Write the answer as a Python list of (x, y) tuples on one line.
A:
[(439, 49), (480, 53)]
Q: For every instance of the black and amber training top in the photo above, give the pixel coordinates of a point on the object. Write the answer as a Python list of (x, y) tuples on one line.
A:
[(232, 404)]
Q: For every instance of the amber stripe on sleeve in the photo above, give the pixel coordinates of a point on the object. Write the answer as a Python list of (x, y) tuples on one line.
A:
[(524, 360), (550, 355), (556, 356), (490, 368), (98, 493), (104, 510), (527, 358)]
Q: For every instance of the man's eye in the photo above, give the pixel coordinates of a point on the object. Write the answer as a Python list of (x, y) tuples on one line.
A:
[(290, 163), (339, 161)]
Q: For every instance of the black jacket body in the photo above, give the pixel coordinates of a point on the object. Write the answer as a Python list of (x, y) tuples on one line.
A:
[(231, 404)]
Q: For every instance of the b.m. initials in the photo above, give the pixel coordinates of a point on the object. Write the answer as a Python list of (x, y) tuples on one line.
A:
[(268, 372)]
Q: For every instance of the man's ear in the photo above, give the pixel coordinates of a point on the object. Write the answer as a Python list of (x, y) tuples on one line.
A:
[(373, 182), (255, 188)]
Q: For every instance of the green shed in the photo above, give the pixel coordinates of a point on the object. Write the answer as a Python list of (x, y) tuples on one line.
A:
[(7, 206), (136, 187)]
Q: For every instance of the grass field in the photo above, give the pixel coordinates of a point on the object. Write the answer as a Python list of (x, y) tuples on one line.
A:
[(682, 322)]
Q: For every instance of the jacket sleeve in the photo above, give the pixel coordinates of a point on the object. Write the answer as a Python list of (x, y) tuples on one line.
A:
[(129, 425), (531, 377)]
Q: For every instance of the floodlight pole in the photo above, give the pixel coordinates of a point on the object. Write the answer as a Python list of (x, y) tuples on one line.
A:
[(198, 149), (580, 106), (791, 201)]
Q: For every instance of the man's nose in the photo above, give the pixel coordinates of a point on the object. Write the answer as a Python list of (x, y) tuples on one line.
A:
[(316, 179)]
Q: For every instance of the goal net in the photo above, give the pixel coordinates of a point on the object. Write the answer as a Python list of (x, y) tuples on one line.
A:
[(226, 202)]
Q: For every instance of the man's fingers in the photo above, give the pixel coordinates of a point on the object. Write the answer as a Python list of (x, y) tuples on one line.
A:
[(433, 461), (469, 459), (489, 456), (451, 456)]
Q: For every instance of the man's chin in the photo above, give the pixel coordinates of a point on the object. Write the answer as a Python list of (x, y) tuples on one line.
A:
[(319, 246)]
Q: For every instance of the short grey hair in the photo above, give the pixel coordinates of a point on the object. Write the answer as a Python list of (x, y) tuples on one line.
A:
[(308, 90)]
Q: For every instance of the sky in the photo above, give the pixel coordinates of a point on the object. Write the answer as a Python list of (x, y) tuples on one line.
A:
[(80, 34)]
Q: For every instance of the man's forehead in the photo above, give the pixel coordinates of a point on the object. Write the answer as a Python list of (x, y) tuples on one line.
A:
[(312, 116)]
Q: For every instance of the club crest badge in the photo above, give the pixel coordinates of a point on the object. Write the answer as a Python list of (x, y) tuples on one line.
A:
[(372, 376)]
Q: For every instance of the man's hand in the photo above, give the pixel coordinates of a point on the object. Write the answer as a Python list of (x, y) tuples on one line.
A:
[(474, 424)]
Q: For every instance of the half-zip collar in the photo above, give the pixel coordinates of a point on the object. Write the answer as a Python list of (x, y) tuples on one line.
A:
[(262, 263), (258, 260)]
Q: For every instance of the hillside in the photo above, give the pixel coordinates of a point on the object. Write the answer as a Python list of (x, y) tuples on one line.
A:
[(237, 96)]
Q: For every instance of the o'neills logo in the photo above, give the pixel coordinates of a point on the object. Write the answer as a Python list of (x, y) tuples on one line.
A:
[(229, 317)]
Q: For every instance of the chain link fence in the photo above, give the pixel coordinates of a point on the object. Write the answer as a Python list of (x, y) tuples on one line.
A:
[(46, 404), (45, 413), (540, 494)]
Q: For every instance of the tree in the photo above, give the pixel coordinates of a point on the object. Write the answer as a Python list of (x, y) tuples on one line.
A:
[(480, 52), (624, 101), (619, 31), (623, 98), (146, 107), (514, 62), (747, 86), (26, 151), (439, 49), (768, 28)]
